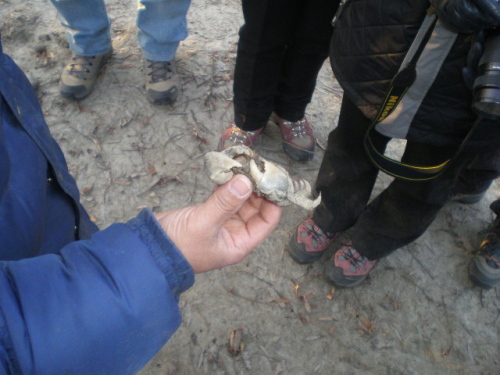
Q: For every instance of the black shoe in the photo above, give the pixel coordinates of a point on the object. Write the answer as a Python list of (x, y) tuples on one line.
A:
[(484, 269)]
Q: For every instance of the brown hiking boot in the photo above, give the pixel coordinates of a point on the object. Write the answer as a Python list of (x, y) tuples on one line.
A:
[(162, 82), (297, 137), (233, 136), (79, 75)]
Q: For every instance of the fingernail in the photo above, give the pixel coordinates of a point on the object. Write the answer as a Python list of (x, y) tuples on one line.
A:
[(240, 186)]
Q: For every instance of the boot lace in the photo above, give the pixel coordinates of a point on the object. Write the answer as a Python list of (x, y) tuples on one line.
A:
[(355, 259), (80, 66), (298, 128), (160, 70), (317, 235), (240, 137)]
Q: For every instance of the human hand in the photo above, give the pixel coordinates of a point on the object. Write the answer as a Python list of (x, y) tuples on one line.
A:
[(224, 229), (468, 16)]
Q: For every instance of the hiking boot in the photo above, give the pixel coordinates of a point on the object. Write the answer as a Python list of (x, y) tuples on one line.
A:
[(162, 82), (297, 138), (233, 136), (79, 75), (348, 267), (484, 269), (309, 242)]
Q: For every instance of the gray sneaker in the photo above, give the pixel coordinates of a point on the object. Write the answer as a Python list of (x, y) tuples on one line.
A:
[(162, 81), (79, 75)]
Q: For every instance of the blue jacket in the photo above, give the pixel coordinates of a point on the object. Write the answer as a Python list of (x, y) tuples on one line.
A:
[(73, 300)]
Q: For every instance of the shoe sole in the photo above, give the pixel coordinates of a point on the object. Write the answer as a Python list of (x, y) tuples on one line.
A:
[(161, 101), (298, 154), (68, 92), (299, 255), (482, 274), (293, 152), (334, 275), (331, 274)]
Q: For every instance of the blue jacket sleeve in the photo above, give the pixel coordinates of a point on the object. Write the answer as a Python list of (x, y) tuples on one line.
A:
[(102, 306)]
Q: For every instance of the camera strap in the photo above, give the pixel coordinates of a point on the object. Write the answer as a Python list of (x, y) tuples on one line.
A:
[(406, 93)]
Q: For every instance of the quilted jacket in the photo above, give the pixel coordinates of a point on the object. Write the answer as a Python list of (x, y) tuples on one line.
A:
[(103, 304), (370, 41)]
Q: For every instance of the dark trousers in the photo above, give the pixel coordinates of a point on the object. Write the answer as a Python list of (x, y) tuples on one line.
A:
[(479, 174), (402, 212), (281, 49)]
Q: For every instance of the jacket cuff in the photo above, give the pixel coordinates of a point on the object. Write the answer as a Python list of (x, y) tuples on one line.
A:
[(177, 270)]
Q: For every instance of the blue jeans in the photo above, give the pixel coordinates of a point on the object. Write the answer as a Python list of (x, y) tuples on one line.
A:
[(162, 25)]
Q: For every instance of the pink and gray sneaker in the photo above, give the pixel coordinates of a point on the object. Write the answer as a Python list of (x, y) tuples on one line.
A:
[(309, 242), (348, 267), (297, 137), (233, 136)]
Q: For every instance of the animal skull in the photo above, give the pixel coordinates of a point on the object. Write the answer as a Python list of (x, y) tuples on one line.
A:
[(270, 180)]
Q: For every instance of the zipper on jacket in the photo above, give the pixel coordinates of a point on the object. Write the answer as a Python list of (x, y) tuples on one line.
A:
[(339, 11)]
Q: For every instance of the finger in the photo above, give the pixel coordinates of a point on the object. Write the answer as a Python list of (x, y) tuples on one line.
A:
[(226, 200), (251, 207), (262, 224)]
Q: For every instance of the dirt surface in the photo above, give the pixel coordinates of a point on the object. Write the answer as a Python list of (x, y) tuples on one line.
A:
[(417, 313)]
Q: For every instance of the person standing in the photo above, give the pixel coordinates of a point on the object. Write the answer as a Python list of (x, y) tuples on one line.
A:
[(162, 26), (369, 44), (78, 300), (281, 50)]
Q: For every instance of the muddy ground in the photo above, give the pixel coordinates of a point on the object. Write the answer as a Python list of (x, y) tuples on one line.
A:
[(417, 313)]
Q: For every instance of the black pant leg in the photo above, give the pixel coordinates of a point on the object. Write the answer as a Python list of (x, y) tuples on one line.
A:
[(306, 52), (403, 211), (261, 50), (479, 174), (346, 176)]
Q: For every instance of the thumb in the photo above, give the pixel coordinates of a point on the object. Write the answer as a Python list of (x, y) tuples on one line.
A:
[(228, 198)]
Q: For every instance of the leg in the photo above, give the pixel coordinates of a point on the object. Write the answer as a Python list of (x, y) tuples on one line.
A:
[(345, 181), (162, 26), (87, 25), (398, 216), (261, 50), (306, 52), (87, 29), (346, 176), (403, 212), (474, 180)]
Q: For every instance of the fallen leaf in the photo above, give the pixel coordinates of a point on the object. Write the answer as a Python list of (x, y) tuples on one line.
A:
[(285, 300), (446, 351), (305, 298), (331, 294), (236, 342), (303, 319), (87, 191), (151, 169), (366, 327)]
